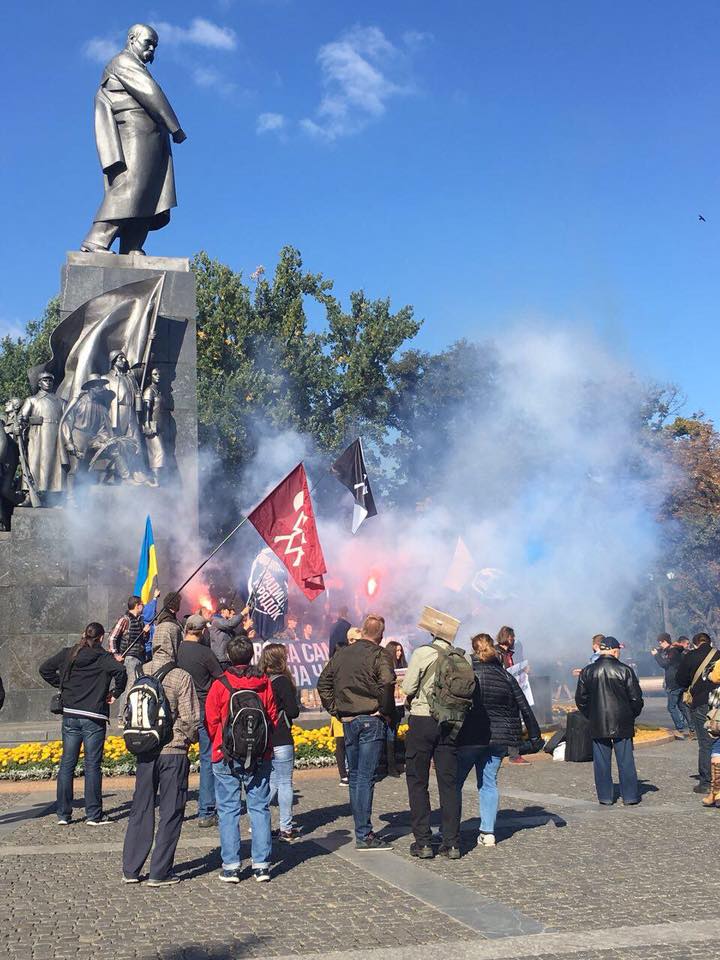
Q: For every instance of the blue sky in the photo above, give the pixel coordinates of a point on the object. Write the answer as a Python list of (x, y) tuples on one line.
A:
[(484, 161)]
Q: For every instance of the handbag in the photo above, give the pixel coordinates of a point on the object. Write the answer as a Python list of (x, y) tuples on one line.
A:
[(688, 696), (712, 717)]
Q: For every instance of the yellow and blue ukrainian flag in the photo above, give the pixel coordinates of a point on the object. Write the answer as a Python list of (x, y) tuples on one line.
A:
[(147, 567)]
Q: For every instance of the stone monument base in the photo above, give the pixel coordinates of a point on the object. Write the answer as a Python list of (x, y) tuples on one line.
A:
[(57, 575)]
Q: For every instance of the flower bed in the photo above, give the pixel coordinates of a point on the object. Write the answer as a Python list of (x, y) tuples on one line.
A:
[(40, 761)]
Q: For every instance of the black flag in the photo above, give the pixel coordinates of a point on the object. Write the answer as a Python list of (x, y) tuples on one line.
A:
[(350, 470)]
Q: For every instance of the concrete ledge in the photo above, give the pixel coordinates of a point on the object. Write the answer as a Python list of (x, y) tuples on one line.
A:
[(76, 258)]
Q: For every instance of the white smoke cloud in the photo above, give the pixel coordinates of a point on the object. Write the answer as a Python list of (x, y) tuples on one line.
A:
[(551, 482)]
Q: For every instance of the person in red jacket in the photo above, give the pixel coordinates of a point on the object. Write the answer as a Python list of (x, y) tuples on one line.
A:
[(230, 777)]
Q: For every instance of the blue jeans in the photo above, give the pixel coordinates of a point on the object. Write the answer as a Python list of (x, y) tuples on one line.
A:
[(602, 767), (281, 782), (674, 698), (89, 733), (487, 763), (206, 794), (364, 738), (230, 781)]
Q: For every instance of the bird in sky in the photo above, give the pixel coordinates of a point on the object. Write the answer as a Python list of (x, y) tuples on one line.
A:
[(701, 217)]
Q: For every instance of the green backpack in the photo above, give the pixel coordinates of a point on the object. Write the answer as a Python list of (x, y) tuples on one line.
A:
[(453, 687)]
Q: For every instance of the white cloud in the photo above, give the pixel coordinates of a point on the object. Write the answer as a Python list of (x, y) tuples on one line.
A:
[(211, 79), (361, 72), (102, 49), (270, 123), (416, 39), (201, 33)]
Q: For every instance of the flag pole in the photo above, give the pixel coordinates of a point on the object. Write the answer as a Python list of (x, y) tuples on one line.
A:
[(197, 570), (219, 547)]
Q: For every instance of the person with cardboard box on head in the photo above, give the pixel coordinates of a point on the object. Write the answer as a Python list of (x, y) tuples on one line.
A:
[(439, 685)]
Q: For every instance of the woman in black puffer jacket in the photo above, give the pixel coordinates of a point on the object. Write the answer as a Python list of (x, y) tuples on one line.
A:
[(493, 725)]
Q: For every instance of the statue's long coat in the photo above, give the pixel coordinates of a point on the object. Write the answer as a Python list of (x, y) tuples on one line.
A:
[(44, 453), (133, 123)]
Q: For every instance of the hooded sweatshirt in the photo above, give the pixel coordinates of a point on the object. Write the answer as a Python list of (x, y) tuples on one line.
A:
[(177, 684), (217, 705)]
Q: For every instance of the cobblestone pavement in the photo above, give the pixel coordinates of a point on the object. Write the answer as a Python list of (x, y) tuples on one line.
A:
[(567, 879)]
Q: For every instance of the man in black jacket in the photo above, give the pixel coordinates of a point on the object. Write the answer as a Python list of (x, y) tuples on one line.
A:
[(668, 656), (357, 686), (690, 677), (608, 695)]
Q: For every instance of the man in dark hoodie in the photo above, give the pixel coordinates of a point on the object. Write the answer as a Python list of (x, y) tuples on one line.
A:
[(162, 776), (89, 679), (668, 656)]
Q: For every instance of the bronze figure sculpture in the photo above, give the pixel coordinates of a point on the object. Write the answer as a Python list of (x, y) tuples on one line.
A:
[(40, 417), (133, 125), (157, 425), (87, 435)]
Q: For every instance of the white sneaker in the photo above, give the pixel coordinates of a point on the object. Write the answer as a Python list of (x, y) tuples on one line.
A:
[(486, 839)]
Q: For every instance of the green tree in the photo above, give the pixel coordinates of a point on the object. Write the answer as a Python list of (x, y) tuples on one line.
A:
[(260, 364), (18, 354)]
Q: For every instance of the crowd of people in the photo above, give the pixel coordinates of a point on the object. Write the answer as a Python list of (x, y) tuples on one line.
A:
[(464, 714)]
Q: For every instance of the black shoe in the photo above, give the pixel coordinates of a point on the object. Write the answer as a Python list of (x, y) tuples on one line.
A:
[(170, 880), (423, 851), (452, 853), (701, 787), (371, 842)]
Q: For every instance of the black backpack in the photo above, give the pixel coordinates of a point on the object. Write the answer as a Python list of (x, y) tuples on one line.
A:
[(147, 718), (245, 734)]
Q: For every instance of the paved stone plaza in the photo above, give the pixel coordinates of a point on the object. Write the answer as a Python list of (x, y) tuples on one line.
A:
[(568, 879)]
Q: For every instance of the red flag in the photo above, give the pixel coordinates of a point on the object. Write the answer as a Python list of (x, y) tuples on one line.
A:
[(286, 522)]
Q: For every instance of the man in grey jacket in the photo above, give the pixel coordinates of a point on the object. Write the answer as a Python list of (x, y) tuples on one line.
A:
[(221, 628), (162, 777)]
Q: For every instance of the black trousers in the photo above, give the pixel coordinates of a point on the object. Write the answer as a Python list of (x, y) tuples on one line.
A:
[(164, 778), (424, 744), (704, 742)]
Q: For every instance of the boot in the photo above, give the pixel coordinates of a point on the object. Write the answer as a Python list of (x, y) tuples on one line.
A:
[(713, 797)]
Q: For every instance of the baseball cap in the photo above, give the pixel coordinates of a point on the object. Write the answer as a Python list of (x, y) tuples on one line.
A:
[(610, 643), (195, 623)]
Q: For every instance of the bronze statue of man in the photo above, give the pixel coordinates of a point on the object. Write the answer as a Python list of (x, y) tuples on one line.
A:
[(40, 417), (156, 425), (87, 434), (133, 125), (126, 398)]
